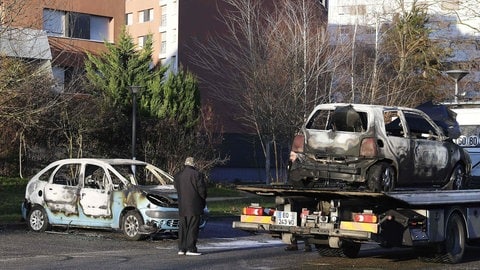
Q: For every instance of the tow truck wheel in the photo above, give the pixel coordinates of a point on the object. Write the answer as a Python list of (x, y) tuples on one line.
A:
[(351, 249), (458, 177), (452, 249), (454, 245), (131, 224), (381, 177)]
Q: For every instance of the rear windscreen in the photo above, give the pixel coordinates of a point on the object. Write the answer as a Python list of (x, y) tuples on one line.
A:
[(343, 118)]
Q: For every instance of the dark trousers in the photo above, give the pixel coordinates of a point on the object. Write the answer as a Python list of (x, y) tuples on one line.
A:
[(188, 233)]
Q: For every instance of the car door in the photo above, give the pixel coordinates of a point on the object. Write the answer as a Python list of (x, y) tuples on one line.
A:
[(95, 193), (61, 192), (398, 145), (430, 154)]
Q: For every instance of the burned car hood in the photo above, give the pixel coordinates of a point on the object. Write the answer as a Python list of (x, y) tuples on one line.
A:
[(162, 190), (443, 117)]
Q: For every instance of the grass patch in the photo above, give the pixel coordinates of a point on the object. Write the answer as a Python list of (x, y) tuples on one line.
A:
[(228, 201), (12, 193), (234, 207)]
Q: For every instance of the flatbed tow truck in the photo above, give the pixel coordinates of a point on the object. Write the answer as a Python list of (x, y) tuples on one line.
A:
[(437, 223)]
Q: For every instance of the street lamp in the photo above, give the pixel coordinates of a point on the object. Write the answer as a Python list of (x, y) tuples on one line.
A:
[(457, 75), (134, 89)]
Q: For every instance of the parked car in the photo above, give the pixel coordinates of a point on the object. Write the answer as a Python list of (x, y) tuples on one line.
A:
[(133, 196), (375, 148)]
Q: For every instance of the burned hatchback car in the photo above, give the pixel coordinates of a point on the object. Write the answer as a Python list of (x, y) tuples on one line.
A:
[(133, 196), (375, 148)]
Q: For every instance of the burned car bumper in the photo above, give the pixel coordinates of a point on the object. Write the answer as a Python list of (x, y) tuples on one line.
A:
[(329, 174)]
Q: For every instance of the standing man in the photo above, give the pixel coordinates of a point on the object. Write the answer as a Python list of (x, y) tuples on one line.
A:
[(192, 195)]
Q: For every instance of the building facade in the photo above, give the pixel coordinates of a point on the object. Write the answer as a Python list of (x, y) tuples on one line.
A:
[(72, 27), (159, 20)]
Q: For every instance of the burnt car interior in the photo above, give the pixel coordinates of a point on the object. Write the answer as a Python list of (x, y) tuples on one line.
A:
[(343, 118), (94, 177), (67, 175), (393, 125)]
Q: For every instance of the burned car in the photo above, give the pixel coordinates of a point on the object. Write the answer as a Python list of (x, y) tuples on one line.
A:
[(375, 148), (130, 195)]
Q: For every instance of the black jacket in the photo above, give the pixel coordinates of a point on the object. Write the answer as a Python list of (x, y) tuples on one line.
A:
[(192, 192)]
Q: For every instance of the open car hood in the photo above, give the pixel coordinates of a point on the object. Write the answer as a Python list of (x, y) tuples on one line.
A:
[(163, 190)]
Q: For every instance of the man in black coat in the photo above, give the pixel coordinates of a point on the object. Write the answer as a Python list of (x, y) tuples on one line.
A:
[(192, 195)]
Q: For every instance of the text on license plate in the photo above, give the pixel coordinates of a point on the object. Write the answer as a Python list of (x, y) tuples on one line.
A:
[(285, 218)]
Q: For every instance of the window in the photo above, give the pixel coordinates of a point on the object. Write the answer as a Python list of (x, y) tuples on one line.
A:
[(419, 127), (67, 175), (343, 118), (163, 20), (78, 25), (95, 177), (54, 22), (75, 25), (163, 44), (129, 19), (393, 124), (145, 15), (142, 40)]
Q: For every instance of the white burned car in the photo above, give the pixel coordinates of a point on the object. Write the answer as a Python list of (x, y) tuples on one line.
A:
[(133, 196), (377, 148)]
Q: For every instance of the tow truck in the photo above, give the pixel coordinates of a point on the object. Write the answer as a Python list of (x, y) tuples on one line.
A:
[(437, 223)]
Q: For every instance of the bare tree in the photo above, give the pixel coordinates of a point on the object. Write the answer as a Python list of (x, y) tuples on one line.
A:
[(275, 64)]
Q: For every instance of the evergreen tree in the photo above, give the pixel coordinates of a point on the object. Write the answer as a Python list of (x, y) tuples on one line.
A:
[(169, 106), (121, 66)]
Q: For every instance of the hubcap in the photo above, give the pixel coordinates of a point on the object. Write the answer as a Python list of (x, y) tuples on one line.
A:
[(387, 179), (36, 220), (458, 175), (131, 225)]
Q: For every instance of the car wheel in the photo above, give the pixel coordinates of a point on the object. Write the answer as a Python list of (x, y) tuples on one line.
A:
[(132, 222), (458, 177), (37, 219), (381, 177)]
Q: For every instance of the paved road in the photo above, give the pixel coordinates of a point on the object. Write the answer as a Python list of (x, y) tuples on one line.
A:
[(223, 247)]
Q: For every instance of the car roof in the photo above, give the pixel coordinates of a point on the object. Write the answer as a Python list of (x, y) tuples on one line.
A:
[(111, 161), (363, 106)]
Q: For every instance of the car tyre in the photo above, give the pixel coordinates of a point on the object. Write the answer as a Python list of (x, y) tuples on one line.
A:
[(381, 177), (458, 177), (38, 219), (131, 223)]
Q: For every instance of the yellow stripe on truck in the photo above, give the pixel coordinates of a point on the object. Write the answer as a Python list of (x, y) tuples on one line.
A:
[(359, 226), (256, 219)]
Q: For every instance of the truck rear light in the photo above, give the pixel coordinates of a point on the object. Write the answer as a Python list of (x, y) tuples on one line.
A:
[(368, 147), (365, 217)]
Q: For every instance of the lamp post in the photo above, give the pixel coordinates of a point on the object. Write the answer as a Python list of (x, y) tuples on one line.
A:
[(134, 89), (457, 75)]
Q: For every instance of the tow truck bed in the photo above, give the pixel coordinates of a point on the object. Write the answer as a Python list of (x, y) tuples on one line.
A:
[(396, 198)]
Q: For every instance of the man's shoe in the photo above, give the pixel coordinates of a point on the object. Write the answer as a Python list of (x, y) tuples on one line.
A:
[(191, 253), (181, 252)]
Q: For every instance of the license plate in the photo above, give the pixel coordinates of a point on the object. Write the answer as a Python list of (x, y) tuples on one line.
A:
[(285, 218)]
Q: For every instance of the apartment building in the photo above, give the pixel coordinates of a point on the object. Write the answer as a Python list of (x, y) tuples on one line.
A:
[(72, 27), (453, 24), (159, 20)]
